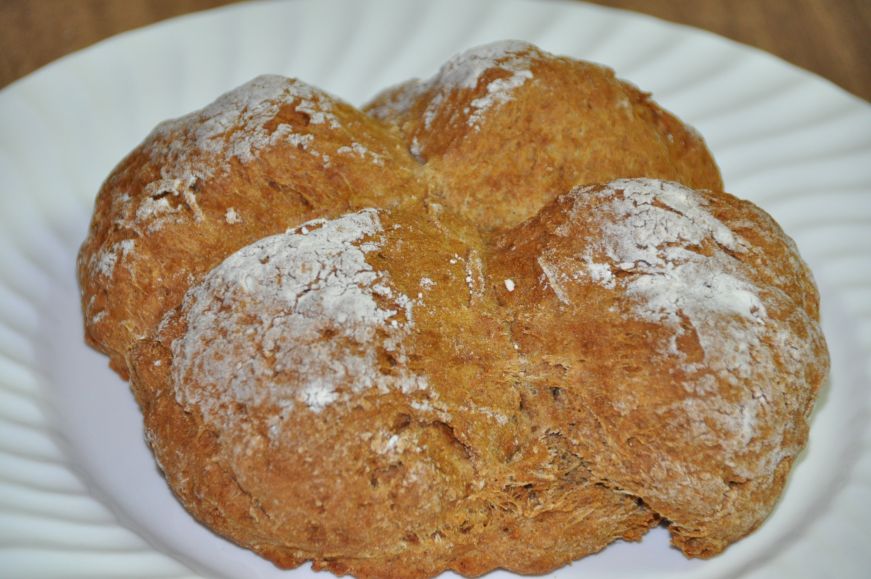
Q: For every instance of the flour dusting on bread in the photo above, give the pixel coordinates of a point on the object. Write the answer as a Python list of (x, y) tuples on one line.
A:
[(293, 318), (236, 126), (678, 266), (653, 234), (103, 263), (247, 109), (464, 72)]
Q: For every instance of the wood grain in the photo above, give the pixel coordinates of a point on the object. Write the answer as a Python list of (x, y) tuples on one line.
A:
[(830, 38)]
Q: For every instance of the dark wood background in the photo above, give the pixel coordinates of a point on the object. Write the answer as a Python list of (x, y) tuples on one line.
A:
[(829, 37)]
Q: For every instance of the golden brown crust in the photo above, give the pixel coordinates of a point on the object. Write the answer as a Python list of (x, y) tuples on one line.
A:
[(505, 128), (392, 369), (264, 157)]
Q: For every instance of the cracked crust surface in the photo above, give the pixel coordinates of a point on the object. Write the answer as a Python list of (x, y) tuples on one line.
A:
[(389, 345)]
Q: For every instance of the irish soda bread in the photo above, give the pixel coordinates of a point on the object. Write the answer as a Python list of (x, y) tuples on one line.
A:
[(501, 318)]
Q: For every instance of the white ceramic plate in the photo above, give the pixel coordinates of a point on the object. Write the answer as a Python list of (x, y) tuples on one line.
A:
[(79, 492)]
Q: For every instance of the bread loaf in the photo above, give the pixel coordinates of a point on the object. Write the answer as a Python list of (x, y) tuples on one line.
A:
[(503, 320)]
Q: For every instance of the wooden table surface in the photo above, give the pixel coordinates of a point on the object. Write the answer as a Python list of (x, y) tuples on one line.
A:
[(829, 37)]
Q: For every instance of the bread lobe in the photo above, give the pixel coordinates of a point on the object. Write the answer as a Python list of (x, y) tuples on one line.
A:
[(691, 367), (505, 128), (264, 157)]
